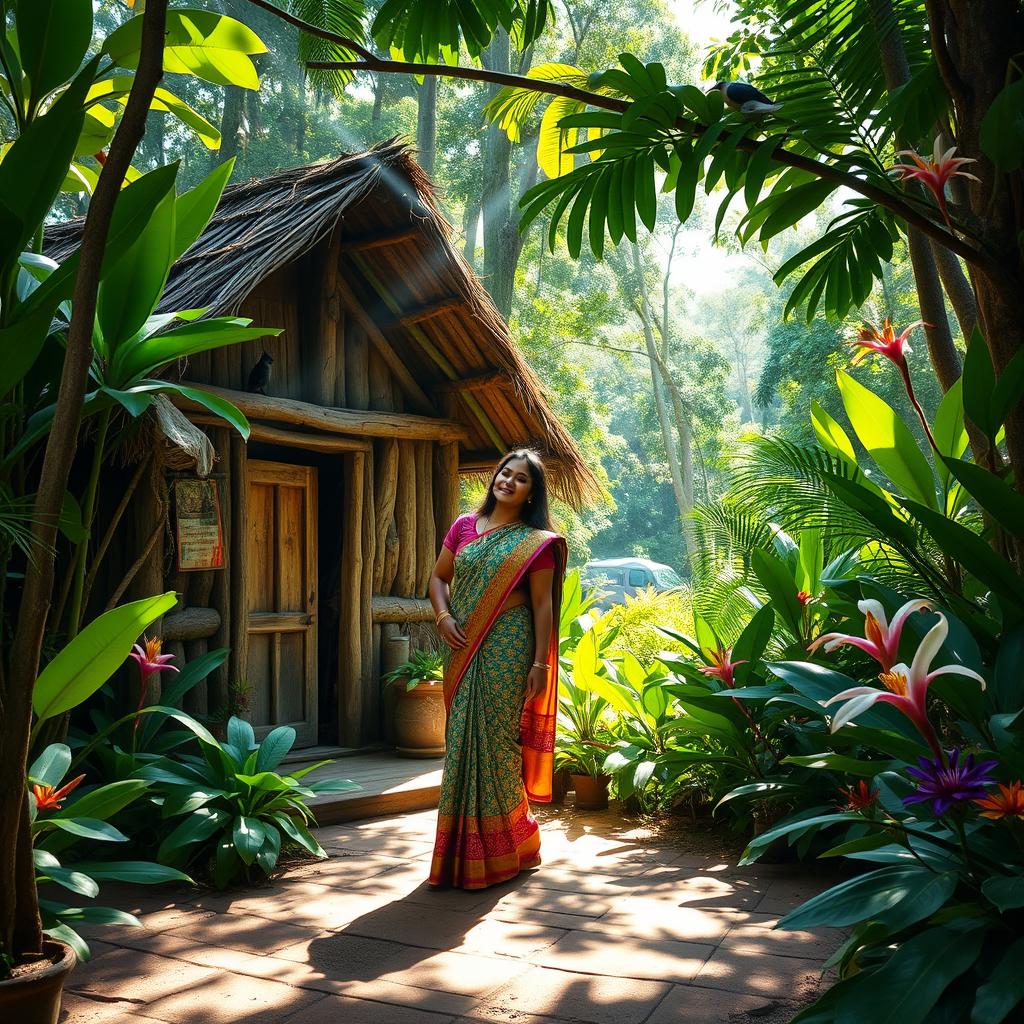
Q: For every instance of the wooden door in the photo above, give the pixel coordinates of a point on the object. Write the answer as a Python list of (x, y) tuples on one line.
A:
[(281, 559)]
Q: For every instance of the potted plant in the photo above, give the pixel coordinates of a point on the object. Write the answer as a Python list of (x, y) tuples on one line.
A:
[(419, 717), (583, 761)]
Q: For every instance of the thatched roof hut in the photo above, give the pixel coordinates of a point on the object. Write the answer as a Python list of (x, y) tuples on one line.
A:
[(430, 313), (309, 547)]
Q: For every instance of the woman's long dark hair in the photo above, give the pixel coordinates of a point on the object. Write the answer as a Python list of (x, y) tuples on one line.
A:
[(535, 511)]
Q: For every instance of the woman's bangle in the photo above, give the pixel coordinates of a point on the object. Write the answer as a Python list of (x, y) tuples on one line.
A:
[(540, 664), (440, 617)]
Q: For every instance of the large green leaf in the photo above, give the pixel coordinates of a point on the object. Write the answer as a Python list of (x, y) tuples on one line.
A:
[(106, 801), (34, 167), (249, 834), (273, 748), (888, 440), (831, 435), (199, 825), (131, 289), (1002, 130), (780, 586), (195, 207), (149, 356), (138, 872), (1003, 990), (870, 895), (208, 45), (979, 384), (1005, 891), (87, 828), (20, 345), (50, 767), (82, 666), (53, 36), (905, 989)]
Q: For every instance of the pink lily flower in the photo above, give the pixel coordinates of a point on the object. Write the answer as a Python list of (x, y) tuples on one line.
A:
[(934, 173), (906, 688), (892, 346), (151, 662), (881, 638), (722, 667)]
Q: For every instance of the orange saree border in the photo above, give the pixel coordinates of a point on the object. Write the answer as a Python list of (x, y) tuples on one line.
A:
[(537, 729), (474, 853)]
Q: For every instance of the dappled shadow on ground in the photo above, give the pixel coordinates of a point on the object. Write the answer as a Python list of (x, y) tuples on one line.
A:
[(626, 921)]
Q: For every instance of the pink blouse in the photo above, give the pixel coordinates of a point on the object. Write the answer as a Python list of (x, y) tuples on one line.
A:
[(463, 530)]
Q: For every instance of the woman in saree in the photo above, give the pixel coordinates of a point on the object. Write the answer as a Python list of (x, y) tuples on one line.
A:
[(496, 590)]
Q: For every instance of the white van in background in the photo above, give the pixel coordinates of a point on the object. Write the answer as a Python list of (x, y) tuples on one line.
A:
[(612, 579)]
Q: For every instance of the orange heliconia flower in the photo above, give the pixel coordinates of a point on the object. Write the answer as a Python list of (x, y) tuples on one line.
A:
[(49, 799), (1007, 803)]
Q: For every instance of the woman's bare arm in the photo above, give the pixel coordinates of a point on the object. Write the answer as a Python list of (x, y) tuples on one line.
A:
[(440, 578), (540, 600)]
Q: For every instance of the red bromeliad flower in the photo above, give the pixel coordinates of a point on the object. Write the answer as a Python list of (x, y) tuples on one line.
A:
[(1007, 803), (722, 667), (49, 799), (151, 662), (859, 797), (892, 346), (804, 598), (934, 173)]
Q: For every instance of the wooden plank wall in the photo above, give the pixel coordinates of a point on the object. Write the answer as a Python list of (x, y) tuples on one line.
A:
[(399, 499)]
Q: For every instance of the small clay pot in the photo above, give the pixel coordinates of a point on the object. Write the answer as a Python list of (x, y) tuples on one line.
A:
[(420, 720), (33, 995), (591, 792)]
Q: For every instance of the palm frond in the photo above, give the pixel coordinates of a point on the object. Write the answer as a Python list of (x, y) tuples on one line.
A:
[(342, 17)]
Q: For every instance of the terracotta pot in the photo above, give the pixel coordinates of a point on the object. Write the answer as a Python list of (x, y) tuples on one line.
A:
[(591, 792), (420, 720), (33, 997)]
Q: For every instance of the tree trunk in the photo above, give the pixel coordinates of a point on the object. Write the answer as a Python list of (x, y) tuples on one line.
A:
[(230, 125), (379, 82), (426, 124), (979, 51), (470, 228), (20, 928), (499, 266), (943, 354)]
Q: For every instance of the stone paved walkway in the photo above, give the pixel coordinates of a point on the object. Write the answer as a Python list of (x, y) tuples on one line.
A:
[(617, 927)]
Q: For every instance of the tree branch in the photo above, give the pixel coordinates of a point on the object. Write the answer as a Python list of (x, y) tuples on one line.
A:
[(826, 172)]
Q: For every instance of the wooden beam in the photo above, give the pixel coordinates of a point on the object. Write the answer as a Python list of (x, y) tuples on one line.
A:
[(478, 382), (292, 438), (388, 608), (379, 239), (418, 316), (361, 423), (446, 489), (350, 619), (396, 364)]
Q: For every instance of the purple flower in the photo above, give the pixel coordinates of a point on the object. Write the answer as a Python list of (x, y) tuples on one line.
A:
[(948, 784)]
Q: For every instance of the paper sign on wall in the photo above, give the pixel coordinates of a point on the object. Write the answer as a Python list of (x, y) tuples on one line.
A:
[(198, 525)]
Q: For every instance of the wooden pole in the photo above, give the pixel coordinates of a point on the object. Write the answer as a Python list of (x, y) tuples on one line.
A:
[(368, 677), (426, 550), (446, 488), (321, 361), (350, 647), (388, 608), (220, 596), (405, 521), (238, 660), (387, 583), (385, 486), (381, 393), (357, 368)]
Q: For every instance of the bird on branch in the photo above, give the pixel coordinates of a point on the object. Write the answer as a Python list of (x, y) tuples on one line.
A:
[(745, 98), (259, 375)]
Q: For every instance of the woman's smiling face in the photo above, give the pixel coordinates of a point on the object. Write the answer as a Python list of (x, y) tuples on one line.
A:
[(513, 485)]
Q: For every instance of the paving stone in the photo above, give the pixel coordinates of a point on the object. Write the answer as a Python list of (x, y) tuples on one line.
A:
[(763, 974), (639, 917), (335, 1009), (708, 1006), (556, 901), (137, 978), (346, 957), (330, 909), (758, 934), (655, 959), (461, 973), (246, 932), (569, 879), (508, 938), (344, 867), (378, 991), (390, 845), (578, 997), (94, 1008), (230, 998), (527, 915)]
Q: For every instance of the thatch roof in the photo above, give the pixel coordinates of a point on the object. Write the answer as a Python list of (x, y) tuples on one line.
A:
[(417, 287)]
